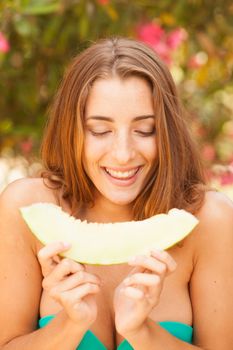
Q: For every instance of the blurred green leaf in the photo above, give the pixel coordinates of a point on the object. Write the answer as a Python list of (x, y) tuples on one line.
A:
[(22, 26), (6, 125), (40, 8), (83, 26)]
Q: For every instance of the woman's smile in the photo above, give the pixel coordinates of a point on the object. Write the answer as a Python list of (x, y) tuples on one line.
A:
[(122, 178)]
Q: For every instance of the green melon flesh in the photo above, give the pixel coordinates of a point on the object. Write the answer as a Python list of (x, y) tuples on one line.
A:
[(106, 244)]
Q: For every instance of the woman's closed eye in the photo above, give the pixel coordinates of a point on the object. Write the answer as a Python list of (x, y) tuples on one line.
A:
[(145, 133), (99, 133)]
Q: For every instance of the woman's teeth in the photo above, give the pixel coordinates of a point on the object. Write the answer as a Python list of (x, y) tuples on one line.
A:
[(121, 174)]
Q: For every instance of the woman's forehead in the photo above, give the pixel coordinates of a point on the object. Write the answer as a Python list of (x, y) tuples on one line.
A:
[(108, 97)]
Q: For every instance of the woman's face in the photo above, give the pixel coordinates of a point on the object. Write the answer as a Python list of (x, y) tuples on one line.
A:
[(120, 139)]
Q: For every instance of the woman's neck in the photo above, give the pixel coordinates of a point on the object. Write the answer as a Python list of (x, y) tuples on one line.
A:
[(105, 212)]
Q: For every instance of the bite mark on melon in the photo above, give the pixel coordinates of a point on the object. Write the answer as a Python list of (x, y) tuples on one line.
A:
[(111, 243)]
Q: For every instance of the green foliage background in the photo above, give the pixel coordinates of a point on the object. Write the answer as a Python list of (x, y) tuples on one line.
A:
[(45, 34)]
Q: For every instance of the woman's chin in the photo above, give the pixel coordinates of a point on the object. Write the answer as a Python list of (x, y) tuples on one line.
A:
[(120, 201), (125, 198)]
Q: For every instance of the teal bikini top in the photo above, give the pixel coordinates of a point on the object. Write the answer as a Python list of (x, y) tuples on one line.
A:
[(180, 330)]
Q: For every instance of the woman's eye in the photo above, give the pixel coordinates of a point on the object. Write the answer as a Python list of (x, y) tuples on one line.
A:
[(145, 133), (99, 133)]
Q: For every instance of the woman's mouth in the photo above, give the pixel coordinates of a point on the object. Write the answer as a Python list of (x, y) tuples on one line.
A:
[(122, 175), (122, 178)]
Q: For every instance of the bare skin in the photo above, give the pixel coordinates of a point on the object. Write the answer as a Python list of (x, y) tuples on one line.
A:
[(191, 283), (188, 294)]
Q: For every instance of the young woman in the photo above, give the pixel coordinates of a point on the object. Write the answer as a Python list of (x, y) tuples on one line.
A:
[(117, 148)]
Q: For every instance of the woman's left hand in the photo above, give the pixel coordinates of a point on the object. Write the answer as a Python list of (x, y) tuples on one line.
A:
[(140, 291)]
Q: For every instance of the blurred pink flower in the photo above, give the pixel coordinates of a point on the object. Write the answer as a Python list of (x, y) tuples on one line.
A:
[(26, 146), (4, 45), (176, 38), (155, 36), (103, 2), (226, 179), (150, 33)]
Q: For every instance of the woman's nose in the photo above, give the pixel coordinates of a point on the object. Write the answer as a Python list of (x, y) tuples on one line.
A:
[(123, 149)]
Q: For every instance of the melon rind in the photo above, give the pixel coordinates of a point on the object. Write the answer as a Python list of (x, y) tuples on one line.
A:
[(107, 243)]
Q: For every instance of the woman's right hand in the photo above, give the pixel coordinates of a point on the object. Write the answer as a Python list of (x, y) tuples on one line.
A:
[(68, 283)]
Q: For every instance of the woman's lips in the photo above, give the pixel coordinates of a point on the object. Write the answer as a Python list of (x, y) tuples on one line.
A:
[(122, 174), (122, 181)]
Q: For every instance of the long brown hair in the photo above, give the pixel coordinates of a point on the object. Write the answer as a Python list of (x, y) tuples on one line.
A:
[(177, 179)]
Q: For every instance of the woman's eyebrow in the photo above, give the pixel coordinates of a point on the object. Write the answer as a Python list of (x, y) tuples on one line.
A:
[(108, 119)]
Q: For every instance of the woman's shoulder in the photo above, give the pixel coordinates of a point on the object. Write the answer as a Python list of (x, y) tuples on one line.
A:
[(215, 221), (216, 206), (20, 193), (27, 191)]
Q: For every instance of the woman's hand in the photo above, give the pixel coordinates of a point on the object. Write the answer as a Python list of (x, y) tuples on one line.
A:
[(69, 284), (140, 291)]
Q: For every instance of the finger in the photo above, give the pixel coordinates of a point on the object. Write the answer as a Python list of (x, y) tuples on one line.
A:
[(142, 279), (75, 295), (71, 282), (137, 269), (150, 263), (166, 258), (62, 270), (52, 249), (48, 255)]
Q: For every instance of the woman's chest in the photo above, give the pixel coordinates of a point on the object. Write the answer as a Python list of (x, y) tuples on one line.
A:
[(174, 303)]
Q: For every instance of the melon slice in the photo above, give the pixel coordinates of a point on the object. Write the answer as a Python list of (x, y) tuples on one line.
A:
[(111, 243)]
